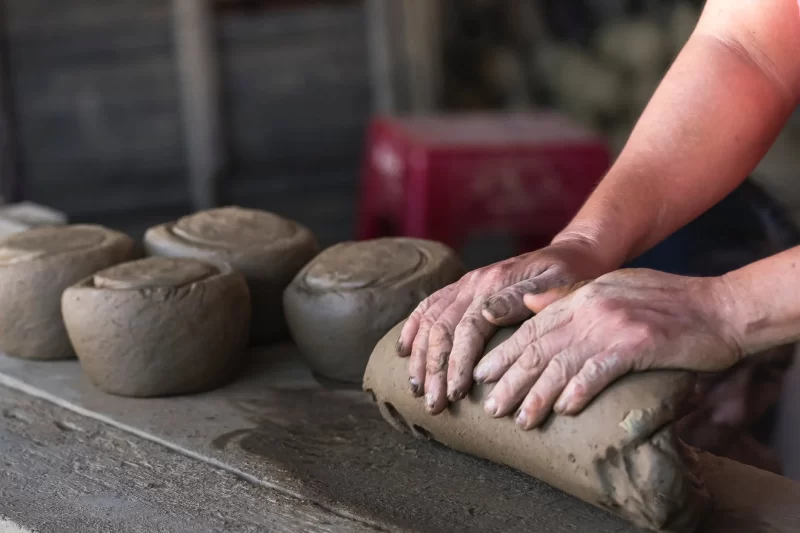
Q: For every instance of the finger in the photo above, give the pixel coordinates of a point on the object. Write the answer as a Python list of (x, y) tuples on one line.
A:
[(469, 340), (507, 307), (411, 327), (536, 303), (499, 360), (538, 404), (440, 345), (596, 374), (419, 348), (515, 383)]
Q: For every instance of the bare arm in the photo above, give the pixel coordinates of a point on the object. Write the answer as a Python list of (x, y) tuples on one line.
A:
[(714, 116), (716, 113), (763, 304)]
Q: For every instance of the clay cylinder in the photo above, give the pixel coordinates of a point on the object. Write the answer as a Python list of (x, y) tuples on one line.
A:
[(351, 294), (621, 453), (35, 267), (159, 326), (267, 249)]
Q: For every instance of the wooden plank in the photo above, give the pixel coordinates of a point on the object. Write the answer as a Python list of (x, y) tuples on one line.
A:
[(64, 472), (200, 88), (278, 427)]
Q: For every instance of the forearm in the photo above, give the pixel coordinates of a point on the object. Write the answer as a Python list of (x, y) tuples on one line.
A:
[(761, 302), (711, 120)]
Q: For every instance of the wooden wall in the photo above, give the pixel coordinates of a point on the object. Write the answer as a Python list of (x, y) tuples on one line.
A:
[(95, 90)]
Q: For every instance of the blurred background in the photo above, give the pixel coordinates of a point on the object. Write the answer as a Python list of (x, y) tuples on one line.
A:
[(129, 113), (104, 102)]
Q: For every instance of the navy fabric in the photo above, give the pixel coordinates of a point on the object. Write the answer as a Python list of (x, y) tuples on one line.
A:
[(744, 227)]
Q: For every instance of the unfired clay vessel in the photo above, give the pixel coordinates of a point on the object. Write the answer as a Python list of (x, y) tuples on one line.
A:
[(35, 267), (351, 294), (159, 326), (621, 453), (269, 250)]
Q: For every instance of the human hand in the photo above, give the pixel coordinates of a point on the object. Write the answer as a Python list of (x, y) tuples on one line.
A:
[(629, 320), (447, 332)]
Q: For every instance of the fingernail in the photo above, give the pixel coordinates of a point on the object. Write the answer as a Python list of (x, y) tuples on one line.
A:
[(414, 385), (399, 346), (497, 308), (454, 394), (481, 373), (560, 406), (521, 419), (451, 389), (490, 407), (566, 399), (429, 400)]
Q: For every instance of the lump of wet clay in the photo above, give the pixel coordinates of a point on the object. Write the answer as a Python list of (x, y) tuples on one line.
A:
[(268, 249), (352, 293), (620, 454), (36, 266), (159, 326)]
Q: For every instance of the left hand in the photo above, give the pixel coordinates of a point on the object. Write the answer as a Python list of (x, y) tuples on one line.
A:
[(628, 320)]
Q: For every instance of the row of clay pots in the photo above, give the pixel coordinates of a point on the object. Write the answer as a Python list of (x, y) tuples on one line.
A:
[(179, 321)]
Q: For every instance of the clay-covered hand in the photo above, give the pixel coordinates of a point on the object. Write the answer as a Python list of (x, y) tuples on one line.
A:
[(447, 332), (629, 320)]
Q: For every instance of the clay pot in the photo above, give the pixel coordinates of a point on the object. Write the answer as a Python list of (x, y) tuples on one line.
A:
[(35, 267), (159, 326), (351, 294), (267, 249)]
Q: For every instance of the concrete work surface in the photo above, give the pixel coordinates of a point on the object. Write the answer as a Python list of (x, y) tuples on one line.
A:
[(275, 441)]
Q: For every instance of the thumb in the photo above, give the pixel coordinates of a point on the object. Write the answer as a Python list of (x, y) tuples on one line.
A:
[(537, 302), (506, 307)]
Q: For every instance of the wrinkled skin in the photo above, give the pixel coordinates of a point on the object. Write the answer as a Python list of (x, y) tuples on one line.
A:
[(446, 333), (629, 320)]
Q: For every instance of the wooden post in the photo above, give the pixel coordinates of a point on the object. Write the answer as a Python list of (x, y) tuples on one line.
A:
[(381, 52), (200, 94), (10, 181), (405, 46), (422, 21)]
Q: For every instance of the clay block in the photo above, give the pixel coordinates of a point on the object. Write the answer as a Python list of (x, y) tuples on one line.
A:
[(620, 454), (266, 248), (35, 267), (159, 326), (351, 294)]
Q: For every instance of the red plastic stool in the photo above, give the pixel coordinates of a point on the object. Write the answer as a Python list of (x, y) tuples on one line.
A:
[(445, 177)]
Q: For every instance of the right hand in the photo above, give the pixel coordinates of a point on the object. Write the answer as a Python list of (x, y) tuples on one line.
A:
[(446, 334)]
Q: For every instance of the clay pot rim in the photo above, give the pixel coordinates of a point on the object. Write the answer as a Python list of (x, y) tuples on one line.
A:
[(164, 234), (221, 270), (111, 238), (398, 283)]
